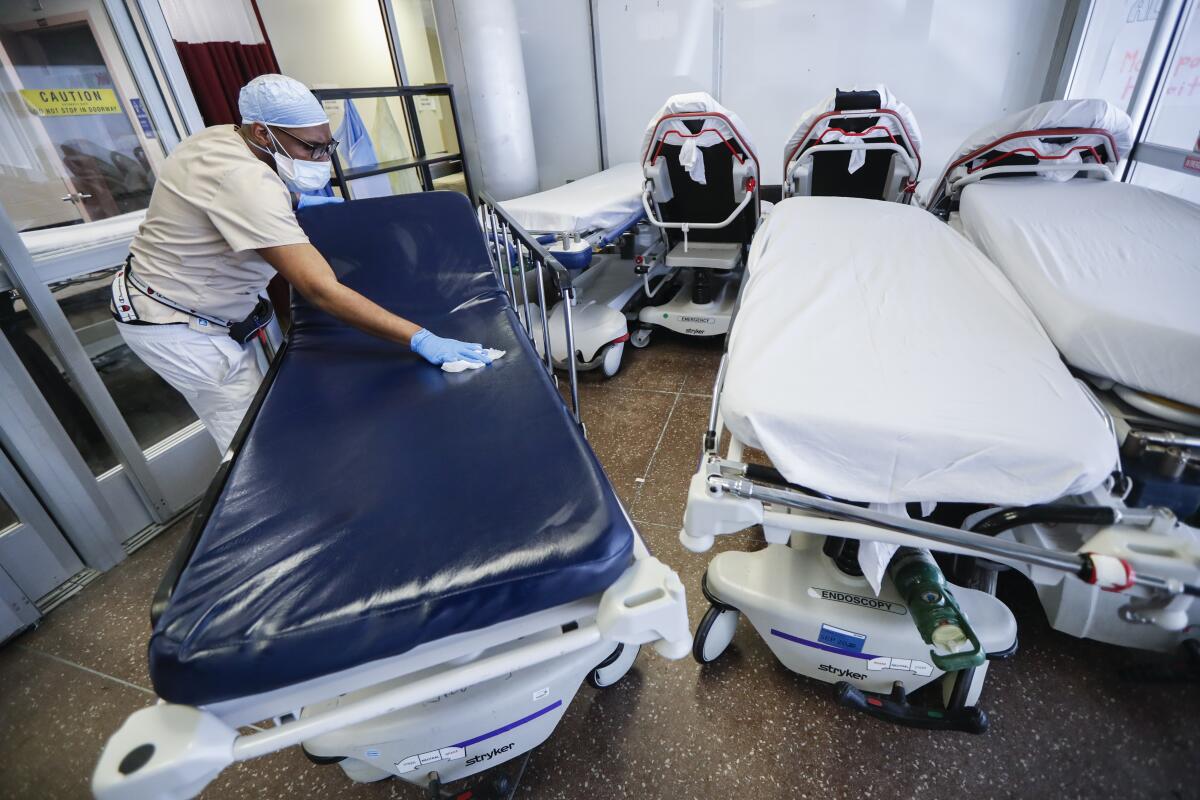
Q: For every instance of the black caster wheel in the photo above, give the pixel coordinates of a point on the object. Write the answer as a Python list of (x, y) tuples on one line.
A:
[(714, 633)]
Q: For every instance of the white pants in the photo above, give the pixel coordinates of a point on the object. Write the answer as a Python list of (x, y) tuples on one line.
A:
[(216, 375)]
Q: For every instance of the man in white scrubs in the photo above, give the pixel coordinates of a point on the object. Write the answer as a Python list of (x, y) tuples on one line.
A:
[(220, 224)]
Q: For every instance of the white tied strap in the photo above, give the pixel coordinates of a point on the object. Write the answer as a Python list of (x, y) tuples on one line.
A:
[(692, 160), (858, 156)]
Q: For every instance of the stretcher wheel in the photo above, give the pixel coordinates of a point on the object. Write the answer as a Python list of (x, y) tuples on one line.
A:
[(612, 359), (613, 668), (641, 337), (714, 633)]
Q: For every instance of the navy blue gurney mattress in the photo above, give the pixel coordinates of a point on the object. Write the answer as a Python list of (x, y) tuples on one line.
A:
[(376, 502)]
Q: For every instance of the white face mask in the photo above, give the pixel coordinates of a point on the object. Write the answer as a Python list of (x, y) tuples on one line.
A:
[(300, 175)]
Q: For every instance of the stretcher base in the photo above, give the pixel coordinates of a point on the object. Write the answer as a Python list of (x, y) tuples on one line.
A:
[(825, 624), (682, 315), (1087, 611), (460, 733)]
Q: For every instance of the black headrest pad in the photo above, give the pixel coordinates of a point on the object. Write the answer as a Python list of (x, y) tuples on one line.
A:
[(856, 101)]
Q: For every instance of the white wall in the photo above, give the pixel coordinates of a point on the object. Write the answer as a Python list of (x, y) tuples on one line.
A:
[(957, 64), (649, 50), (556, 44)]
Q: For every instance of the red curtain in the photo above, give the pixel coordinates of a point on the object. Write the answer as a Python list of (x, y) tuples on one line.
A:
[(218, 70)]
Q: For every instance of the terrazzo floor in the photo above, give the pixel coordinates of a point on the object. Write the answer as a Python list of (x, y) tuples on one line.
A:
[(1066, 721)]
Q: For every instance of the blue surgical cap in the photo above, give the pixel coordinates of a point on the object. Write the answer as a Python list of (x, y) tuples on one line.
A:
[(280, 100)]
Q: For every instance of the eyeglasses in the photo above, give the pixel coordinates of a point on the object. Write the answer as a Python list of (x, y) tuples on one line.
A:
[(319, 152)]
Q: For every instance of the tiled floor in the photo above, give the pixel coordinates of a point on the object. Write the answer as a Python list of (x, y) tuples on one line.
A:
[(1065, 722)]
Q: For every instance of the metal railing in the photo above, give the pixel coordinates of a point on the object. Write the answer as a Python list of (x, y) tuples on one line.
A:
[(422, 161), (514, 252)]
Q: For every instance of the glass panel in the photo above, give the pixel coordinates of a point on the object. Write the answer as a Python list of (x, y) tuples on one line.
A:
[(417, 29), (78, 144), (1176, 120), (152, 409), (381, 138), (7, 517), (326, 45), (1113, 50), (449, 176), (1167, 180), (437, 124)]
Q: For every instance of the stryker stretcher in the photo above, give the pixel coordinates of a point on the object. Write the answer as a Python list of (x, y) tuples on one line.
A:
[(902, 392), (328, 585), (577, 222), (854, 144), (702, 191), (1111, 270)]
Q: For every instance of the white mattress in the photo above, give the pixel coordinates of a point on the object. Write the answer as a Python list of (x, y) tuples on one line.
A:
[(1111, 269), (877, 356), (594, 203), (69, 239)]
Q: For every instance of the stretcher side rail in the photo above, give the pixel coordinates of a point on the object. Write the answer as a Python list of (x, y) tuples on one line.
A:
[(507, 239), (831, 516)]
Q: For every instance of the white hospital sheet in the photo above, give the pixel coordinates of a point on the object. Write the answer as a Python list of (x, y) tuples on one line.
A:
[(715, 130), (1112, 271), (70, 239), (1086, 113), (877, 356), (805, 130), (594, 203)]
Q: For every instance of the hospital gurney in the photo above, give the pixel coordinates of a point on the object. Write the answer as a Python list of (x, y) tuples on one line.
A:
[(578, 223), (331, 584), (1111, 270), (903, 394), (702, 191), (854, 144)]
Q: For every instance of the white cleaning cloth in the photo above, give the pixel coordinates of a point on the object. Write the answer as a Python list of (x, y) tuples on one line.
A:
[(459, 366)]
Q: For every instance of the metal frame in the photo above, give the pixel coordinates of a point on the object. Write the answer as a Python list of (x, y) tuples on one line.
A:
[(34, 545), (70, 352), (1147, 92), (503, 235), (598, 82), (422, 161), (1064, 60), (1165, 42), (824, 515), (1172, 158), (143, 75), (172, 68), (52, 466)]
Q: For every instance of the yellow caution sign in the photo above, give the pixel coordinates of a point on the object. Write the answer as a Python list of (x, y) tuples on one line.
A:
[(71, 102)]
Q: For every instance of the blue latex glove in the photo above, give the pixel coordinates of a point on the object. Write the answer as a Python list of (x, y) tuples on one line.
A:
[(438, 351), (307, 200)]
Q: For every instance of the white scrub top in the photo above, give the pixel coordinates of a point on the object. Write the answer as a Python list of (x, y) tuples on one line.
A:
[(213, 205)]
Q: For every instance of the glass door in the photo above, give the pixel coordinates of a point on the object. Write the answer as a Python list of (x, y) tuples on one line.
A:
[(1167, 156), (85, 130), (35, 558)]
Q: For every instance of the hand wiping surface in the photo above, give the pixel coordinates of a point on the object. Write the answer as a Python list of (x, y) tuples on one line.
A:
[(460, 366)]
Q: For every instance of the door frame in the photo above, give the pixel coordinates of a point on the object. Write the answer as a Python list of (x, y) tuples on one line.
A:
[(34, 544)]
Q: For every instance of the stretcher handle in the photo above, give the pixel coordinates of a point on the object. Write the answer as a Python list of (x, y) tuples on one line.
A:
[(1082, 565), (686, 225)]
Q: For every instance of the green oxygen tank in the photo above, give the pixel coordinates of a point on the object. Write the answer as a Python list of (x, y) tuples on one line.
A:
[(936, 614)]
